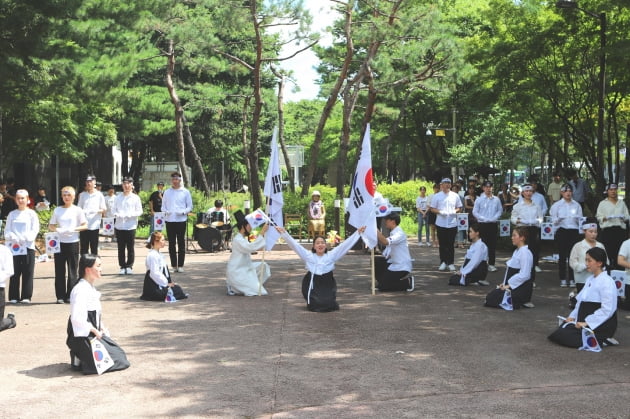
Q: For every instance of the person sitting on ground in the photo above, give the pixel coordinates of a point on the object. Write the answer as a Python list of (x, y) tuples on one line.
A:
[(517, 277), (157, 280), (244, 276), (6, 272), (85, 321), (318, 284), (394, 266), (475, 268), (596, 306)]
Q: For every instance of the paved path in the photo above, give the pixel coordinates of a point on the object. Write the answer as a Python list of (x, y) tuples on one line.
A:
[(435, 352)]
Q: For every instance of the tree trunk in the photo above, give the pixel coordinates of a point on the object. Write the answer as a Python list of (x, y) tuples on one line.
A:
[(203, 182), (258, 104), (179, 111), (244, 137)]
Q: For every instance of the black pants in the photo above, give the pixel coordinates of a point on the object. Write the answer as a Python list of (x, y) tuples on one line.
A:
[(489, 234), (125, 240), (68, 258), (23, 267), (565, 239), (533, 242), (446, 237), (611, 238), (389, 280), (176, 232), (89, 241)]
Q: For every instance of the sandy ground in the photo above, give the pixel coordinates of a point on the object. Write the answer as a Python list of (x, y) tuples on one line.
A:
[(435, 352)]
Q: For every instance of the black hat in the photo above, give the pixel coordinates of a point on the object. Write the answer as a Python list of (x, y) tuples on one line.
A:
[(487, 183), (241, 221)]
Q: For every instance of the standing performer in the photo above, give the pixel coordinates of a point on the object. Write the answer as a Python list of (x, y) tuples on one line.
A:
[(93, 204), (394, 267), (85, 322), (176, 204), (22, 227), (157, 280), (475, 268), (517, 277), (445, 205), (612, 214), (127, 209), (244, 276), (487, 211), (577, 259), (596, 306), (528, 214), (318, 284), (67, 220), (566, 215)]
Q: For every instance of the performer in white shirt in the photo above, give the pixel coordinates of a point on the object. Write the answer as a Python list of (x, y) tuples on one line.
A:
[(596, 306), (176, 204), (22, 227), (528, 214), (612, 214), (157, 280), (127, 209), (487, 210), (577, 259), (67, 220), (93, 204), (566, 215), (475, 266), (393, 268), (445, 205), (6, 271)]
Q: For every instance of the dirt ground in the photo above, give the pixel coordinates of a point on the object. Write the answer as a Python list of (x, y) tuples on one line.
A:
[(435, 352)]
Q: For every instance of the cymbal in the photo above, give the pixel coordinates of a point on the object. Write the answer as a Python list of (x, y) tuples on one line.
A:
[(201, 225), (217, 224)]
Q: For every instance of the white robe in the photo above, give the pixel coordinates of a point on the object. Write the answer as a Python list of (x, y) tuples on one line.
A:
[(242, 274)]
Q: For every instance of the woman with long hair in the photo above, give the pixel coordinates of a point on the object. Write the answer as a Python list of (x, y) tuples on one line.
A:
[(157, 280)]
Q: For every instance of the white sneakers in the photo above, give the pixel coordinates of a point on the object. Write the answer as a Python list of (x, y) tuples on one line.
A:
[(180, 270), (484, 283), (129, 271), (442, 267), (537, 269), (451, 268), (492, 268), (563, 283), (123, 271), (572, 283)]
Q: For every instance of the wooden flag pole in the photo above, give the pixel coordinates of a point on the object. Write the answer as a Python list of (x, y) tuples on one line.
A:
[(373, 275)]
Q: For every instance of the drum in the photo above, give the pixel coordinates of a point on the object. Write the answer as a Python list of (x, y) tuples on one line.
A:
[(198, 227), (217, 224), (209, 239)]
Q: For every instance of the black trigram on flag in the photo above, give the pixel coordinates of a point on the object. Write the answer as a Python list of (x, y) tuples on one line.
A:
[(357, 199), (276, 182)]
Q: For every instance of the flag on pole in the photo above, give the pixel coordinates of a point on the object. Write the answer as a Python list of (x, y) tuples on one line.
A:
[(257, 218), (589, 341), (361, 203), (273, 193)]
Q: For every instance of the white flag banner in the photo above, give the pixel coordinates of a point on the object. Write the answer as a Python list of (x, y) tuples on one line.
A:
[(589, 341), (257, 218), (158, 221), (108, 226), (361, 206), (16, 248), (504, 228), (52, 243), (620, 279), (462, 222), (273, 193), (546, 231), (102, 360)]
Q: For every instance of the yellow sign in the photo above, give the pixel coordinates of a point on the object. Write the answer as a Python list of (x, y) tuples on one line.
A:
[(440, 133)]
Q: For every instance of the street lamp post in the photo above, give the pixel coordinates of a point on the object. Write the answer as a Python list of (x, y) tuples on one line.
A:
[(570, 4)]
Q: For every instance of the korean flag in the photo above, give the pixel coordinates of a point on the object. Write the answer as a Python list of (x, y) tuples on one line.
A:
[(589, 341), (256, 218), (462, 222), (108, 226), (504, 228), (52, 243), (16, 248), (102, 360), (158, 221), (620, 278), (546, 231), (382, 208), (506, 304)]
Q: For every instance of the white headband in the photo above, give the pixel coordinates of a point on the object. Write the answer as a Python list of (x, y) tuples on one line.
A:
[(589, 226)]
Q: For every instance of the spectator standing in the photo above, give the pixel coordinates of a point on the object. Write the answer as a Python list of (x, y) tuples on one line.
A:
[(176, 204), (155, 202), (92, 202), (528, 215), (422, 206), (612, 214), (22, 227), (445, 205), (109, 201), (580, 188), (566, 215), (553, 190), (127, 209), (67, 220), (431, 219), (42, 203), (487, 211)]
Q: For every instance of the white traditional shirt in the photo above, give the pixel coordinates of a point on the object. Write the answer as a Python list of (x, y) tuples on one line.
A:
[(397, 251), (83, 298), (109, 203), (176, 204), (615, 214), (320, 265), (599, 289), (577, 259), (93, 204), (127, 209), (156, 266), (67, 220), (566, 214), (522, 260), (487, 209), (22, 226), (526, 214), (477, 253), (446, 204)]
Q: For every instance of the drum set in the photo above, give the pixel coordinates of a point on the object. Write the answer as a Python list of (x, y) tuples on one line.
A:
[(212, 235)]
